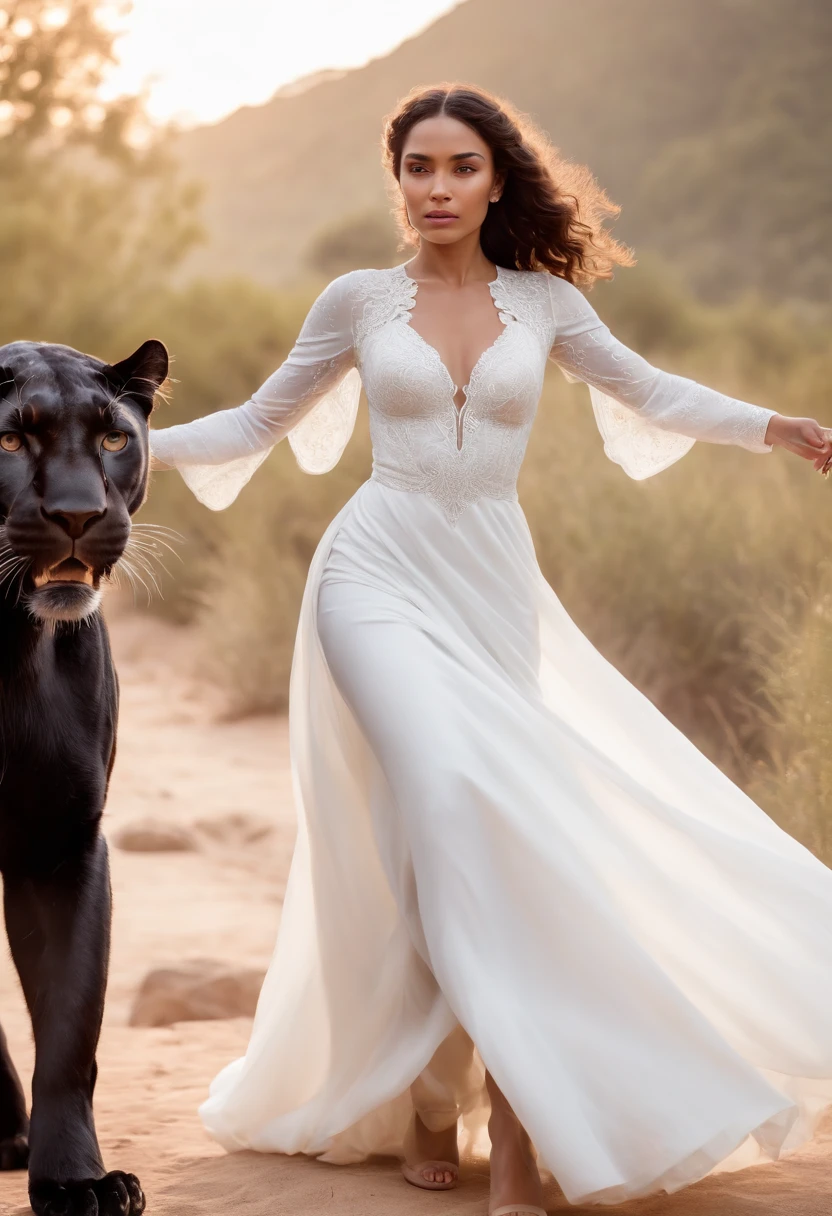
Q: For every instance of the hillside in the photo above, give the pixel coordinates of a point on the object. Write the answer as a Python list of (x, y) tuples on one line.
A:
[(708, 120)]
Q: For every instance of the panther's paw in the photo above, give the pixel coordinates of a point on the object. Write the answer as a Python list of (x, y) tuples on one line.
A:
[(115, 1194), (14, 1153)]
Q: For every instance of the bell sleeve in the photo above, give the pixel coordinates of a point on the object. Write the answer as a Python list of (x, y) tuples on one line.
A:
[(648, 418), (312, 398)]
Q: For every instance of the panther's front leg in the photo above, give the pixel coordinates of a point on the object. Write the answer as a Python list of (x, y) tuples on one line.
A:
[(14, 1122), (59, 931)]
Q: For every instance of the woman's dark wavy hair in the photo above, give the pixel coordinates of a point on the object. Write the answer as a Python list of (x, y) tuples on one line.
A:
[(550, 213)]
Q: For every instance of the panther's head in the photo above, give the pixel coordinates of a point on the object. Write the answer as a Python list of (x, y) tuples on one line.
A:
[(73, 470)]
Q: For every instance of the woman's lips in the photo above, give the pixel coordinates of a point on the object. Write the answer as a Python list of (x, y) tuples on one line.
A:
[(441, 219)]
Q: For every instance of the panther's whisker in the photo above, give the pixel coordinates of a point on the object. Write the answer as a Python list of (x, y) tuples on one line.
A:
[(161, 528), (10, 576), (134, 575), (124, 565), (150, 555), (164, 537), (149, 532), (113, 577), (147, 542), (19, 577), (131, 578), (149, 551), (147, 569), (19, 386), (9, 572), (9, 566), (17, 571), (11, 563), (150, 545)]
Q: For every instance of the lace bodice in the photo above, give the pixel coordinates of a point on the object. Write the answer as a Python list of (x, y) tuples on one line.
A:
[(358, 331)]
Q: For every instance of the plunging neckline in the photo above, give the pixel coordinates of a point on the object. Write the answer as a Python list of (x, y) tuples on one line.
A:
[(459, 410)]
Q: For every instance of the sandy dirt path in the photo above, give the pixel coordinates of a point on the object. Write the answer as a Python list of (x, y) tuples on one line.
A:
[(177, 762)]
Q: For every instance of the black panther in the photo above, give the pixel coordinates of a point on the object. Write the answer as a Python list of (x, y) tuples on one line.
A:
[(74, 465)]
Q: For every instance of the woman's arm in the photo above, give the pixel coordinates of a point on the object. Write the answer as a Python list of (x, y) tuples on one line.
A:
[(318, 361), (585, 348)]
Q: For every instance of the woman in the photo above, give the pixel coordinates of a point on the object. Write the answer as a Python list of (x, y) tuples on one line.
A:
[(518, 891)]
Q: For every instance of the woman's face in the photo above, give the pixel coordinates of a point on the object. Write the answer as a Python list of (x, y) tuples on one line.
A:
[(447, 170)]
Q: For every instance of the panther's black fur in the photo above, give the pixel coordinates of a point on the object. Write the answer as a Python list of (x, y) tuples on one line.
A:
[(69, 483)]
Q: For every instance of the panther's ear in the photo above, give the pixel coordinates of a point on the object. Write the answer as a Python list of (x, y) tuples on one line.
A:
[(140, 374)]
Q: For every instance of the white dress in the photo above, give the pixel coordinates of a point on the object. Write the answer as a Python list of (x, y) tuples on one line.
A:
[(501, 841)]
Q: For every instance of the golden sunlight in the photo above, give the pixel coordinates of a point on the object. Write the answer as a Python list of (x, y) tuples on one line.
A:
[(201, 59)]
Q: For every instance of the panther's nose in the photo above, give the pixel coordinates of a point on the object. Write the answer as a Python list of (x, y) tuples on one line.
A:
[(74, 523)]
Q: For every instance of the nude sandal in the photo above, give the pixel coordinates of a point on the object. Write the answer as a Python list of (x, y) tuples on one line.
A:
[(414, 1174)]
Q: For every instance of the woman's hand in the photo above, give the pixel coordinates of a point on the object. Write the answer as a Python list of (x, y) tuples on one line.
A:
[(803, 436)]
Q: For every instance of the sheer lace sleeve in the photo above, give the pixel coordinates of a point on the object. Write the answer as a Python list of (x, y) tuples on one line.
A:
[(648, 418), (312, 398)]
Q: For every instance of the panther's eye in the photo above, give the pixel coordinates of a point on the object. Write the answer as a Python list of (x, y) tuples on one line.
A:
[(10, 442), (115, 441)]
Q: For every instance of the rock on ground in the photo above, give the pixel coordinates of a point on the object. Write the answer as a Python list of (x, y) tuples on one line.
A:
[(197, 991), (155, 836)]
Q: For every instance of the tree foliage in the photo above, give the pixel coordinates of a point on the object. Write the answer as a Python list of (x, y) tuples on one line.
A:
[(53, 57), (93, 212)]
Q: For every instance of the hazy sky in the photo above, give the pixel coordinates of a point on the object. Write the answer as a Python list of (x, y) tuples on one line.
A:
[(209, 56)]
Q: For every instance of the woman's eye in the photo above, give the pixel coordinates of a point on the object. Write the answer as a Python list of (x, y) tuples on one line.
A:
[(115, 441), (10, 442)]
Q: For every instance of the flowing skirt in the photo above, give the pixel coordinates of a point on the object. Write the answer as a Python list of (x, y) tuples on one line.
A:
[(508, 858)]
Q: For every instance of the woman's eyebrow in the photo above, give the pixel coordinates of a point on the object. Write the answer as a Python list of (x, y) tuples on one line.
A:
[(456, 156)]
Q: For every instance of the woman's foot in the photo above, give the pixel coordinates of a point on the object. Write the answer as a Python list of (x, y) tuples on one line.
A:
[(431, 1159), (514, 1175)]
